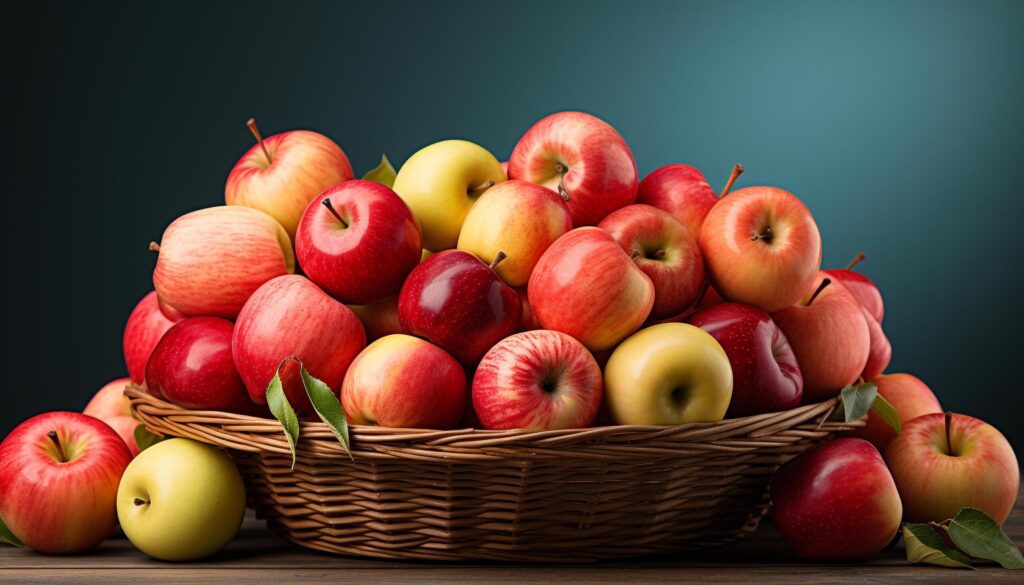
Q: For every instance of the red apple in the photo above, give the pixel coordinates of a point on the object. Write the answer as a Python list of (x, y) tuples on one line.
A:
[(945, 462), (761, 247), (665, 250), (401, 381), (282, 174), (59, 474), (880, 352), (582, 158), (111, 406), (860, 287), (836, 502), (829, 336), (358, 241), (528, 322), (146, 325), (765, 373), (537, 380), (291, 316), (193, 368), (909, 396), (459, 303), (586, 286), (682, 191), (379, 318)]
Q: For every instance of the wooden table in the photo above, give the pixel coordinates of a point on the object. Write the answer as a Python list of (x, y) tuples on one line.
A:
[(258, 556)]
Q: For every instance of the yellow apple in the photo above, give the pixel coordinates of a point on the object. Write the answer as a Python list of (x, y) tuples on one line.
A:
[(441, 182), (181, 500), (668, 374)]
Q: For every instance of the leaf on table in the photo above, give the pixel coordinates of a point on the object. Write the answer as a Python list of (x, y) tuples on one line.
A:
[(327, 407), (7, 537), (856, 401), (979, 536), (887, 412), (282, 410), (925, 545), (145, 439), (384, 173)]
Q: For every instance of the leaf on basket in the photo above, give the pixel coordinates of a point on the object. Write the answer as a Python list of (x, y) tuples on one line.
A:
[(887, 412), (145, 439), (979, 536), (383, 174), (282, 410), (6, 536), (326, 405), (925, 545), (857, 400)]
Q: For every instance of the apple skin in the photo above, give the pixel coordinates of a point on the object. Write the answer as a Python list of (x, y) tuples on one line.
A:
[(367, 258), (981, 473), (379, 318), (682, 191), (111, 406), (836, 502), (766, 376), (291, 316), (146, 325), (518, 218), (537, 380), (459, 303), (181, 500), (665, 250), (668, 374), (303, 164), (863, 289), (597, 173), (441, 182), (770, 273), (193, 368), (586, 286), (528, 321), (400, 381), (830, 338), (909, 396), (211, 260), (880, 352), (55, 506)]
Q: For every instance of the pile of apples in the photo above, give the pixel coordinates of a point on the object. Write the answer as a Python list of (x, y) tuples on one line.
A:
[(553, 291)]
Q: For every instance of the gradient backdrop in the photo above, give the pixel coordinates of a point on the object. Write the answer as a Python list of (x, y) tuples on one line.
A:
[(898, 123)]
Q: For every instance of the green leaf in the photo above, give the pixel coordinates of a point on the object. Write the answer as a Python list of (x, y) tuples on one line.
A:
[(857, 400), (282, 410), (978, 535), (384, 173), (145, 439), (887, 412), (925, 545), (6, 536), (327, 407)]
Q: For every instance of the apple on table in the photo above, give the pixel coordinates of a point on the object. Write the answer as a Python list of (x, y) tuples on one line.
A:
[(111, 406)]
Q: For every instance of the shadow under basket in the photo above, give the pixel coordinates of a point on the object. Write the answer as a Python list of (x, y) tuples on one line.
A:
[(555, 496)]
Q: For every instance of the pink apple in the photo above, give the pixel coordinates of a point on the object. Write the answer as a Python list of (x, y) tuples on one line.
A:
[(909, 396), (291, 316), (401, 381), (282, 174), (682, 191), (537, 380), (586, 286), (881, 350), (146, 325), (111, 406), (59, 474), (665, 250), (582, 158), (860, 287), (211, 260), (379, 318)]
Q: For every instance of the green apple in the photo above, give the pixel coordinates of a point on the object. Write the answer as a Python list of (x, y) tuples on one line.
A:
[(441, 182), (181, 500)]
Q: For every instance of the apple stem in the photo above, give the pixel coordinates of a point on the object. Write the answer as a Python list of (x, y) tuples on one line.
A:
[(856, 260), (497, 259), (737, 170), (139, 502), (334, 212), (154, 247), (562, 170), (259, 139), (659, 254), (635, 254), (479, 190), (56, 443), (766, 235), (817, 291), (949, 444)]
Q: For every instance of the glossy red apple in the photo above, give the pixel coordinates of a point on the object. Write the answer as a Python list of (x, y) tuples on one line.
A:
[(459, 303), (146, 325), (909, 396), (682, 191), (358, 241), (861, 287), (111, 406)]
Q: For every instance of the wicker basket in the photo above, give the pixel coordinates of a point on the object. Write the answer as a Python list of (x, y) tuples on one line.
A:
[(579, 495)]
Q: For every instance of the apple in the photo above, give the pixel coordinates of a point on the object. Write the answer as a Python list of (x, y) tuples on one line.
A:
[(664, 249), (860, 287), (111, 406), (761, 247), (537, 380), (146, 325), (181, 500), (456, 301), (211, 260), (880, 352), (291, 316), (836, 502), (193, 368), (908, 395), (682, 191), (528, 321), (944, 462), (668, 374), (586, 286), (583, 159), (829, 336), (400, 381), (379, 318), (765, 373), (358, 241), (58, 481), (282, 174), (518, 218), (441, 182)]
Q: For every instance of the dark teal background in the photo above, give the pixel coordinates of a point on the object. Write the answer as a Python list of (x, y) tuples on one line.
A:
[(898, 123)]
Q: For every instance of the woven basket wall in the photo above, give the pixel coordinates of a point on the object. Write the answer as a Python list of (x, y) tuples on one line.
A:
[(581, 495)]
